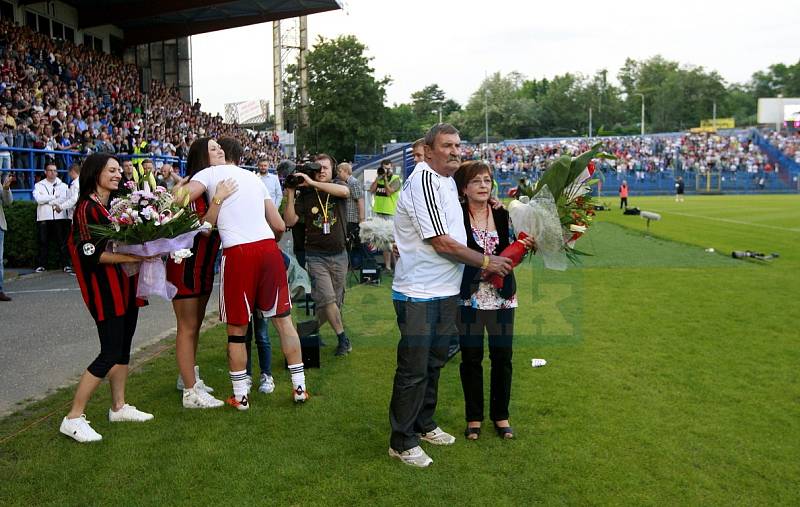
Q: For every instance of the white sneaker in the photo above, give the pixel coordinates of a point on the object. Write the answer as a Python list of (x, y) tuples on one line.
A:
[(128, 413), (198, 398), (79, 429), (538, 363), (267, 384), (414, 457), (197, 380), (438, 437), (300, 395)]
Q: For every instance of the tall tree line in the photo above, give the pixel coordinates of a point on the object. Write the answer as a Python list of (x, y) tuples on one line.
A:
[(347, 112)]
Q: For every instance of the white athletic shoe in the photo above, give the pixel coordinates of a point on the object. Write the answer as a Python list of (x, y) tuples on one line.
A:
[(538, 363), (300, 395), (128, 413), (438, 437), (267, 384), (198, 398), (79, 429), (414, 457), (197, 380)]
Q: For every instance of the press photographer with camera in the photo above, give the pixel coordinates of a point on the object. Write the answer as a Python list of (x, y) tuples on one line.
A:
[(385, 189), (312, 196)]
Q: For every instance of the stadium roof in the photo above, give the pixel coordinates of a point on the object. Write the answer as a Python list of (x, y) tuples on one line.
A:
[(148, 21)]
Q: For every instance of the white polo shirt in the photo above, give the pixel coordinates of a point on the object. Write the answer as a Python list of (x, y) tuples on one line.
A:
[(242, 218), (427, 207)]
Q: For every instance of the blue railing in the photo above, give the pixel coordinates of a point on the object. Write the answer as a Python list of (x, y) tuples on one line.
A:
[(28, 163)]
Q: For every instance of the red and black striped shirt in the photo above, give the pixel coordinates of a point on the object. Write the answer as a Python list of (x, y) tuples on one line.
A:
[(106, 289)]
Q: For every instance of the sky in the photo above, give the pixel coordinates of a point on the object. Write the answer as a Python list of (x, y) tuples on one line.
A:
[(456, 43)]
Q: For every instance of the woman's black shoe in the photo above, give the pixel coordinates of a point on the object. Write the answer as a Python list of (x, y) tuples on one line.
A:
[(472, 433), (506, 432)]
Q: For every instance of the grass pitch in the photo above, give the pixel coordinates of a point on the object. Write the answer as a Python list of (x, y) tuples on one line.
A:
[(672, 379)]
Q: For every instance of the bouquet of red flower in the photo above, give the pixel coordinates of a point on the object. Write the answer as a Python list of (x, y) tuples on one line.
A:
[(557, 210)]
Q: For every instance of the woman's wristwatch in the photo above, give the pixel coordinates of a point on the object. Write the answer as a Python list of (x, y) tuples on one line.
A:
[(217, 201)]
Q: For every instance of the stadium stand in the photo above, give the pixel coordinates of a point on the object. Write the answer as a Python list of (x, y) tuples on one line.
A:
[(68, 100)]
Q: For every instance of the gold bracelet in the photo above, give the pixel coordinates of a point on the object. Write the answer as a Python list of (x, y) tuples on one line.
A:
[(217, 201), (485, 262)]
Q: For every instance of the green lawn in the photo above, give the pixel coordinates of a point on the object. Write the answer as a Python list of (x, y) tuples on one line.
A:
[(672, 379)]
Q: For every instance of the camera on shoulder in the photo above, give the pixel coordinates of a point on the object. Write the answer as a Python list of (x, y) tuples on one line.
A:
[(292, 178)]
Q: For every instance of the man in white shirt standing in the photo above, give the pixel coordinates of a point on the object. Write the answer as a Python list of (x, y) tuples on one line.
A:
[(270, 181), (52, 222), (431, 239)]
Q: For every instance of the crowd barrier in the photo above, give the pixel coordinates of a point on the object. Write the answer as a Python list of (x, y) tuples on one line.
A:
[(28, 165)]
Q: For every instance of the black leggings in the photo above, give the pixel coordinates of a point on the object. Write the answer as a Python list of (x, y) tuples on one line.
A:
[(116, 335), (499, 325)]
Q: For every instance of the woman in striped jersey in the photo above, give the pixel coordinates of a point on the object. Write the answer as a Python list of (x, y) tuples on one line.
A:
[(110, 296)]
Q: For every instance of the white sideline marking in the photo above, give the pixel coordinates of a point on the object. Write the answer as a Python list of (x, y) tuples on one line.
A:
[(730, 221)]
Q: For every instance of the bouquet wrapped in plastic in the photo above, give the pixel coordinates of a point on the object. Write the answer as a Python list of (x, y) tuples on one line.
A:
[(150, 222), (558, 209), (377, 232)]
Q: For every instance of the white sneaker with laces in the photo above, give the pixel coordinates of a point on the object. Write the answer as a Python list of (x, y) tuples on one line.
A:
[(197, 380), (300, 395), (267, 384), (414, 457), (128, 413), (198, 398), (437, 436), (79, 429)]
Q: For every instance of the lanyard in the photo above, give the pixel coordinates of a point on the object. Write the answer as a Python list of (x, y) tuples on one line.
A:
[(325, 207)]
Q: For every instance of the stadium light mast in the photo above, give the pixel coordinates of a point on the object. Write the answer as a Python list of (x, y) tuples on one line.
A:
[(486, 113), (303, 72), (642, 96), (277, 75), (590, 121), (714, 115)]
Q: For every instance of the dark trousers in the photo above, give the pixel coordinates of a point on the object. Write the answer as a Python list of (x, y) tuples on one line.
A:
[(116, 336), (499, 325), (53, 230), (623, 202), (425, 332)]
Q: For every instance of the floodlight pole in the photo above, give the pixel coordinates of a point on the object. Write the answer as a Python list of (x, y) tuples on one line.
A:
[(303, 64), (590, 122), (714, 116), (277, 75), (642, 96), (485, 114)]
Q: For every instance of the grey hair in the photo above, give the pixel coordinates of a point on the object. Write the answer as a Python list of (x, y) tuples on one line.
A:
[(439, 128)]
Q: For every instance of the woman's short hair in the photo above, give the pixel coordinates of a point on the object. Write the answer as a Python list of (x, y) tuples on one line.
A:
[(197, 160), (468, 170), (90, 172)]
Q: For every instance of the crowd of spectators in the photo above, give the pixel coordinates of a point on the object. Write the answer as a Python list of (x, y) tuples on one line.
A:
[(638, 158), (789, 143), (56, 95)]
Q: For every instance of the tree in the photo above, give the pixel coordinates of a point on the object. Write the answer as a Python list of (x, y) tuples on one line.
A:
[(511, 115), (346, 110)]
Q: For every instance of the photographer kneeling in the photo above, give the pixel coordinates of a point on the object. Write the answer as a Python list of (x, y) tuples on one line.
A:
[(312, 195)]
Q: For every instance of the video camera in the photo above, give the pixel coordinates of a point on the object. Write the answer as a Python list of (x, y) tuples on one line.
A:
[(289, 172)]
